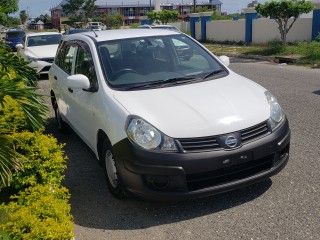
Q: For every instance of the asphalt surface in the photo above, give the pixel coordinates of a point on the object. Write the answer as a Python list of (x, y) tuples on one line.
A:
[(283, 207)]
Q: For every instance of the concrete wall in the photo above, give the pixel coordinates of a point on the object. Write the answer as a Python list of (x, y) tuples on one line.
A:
[(265, 30), (226, 30), (198, 30), (183, 26)]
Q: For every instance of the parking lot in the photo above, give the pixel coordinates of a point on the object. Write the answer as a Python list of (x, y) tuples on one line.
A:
[(283, 207)]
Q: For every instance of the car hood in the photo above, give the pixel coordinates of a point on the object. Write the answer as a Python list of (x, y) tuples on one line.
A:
[(47, 51), (201, 109)]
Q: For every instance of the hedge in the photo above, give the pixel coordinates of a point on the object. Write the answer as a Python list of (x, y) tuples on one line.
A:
[(43, 160), (39, 212)]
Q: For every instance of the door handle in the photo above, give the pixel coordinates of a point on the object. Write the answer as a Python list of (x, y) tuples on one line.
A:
[(70, 90), (55, 77)]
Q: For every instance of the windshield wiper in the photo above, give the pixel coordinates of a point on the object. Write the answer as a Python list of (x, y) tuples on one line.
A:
[(212, 73), (165, 82)]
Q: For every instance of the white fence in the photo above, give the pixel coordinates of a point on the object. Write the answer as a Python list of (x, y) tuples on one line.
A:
[(263, 30)]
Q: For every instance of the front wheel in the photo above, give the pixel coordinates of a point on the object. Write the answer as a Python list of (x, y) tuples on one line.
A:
[(112, 175)]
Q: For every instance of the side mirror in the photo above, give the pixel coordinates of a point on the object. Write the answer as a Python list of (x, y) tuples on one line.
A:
[(225, 60), (78, 81), (19, 46)]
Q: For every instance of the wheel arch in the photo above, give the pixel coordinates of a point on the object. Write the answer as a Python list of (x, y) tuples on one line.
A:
[(101, 137), (53, 97)]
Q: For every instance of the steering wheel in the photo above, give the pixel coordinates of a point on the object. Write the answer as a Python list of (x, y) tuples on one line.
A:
[(121, 72)]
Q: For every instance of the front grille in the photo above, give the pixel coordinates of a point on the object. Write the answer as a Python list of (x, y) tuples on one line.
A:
[(216, 143), (198, 144), (255, 132), (229, 174)]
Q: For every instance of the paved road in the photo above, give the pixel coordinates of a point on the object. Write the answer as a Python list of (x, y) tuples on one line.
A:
[(283, 207)]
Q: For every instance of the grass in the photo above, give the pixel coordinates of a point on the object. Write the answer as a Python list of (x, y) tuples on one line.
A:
[(307, 53)]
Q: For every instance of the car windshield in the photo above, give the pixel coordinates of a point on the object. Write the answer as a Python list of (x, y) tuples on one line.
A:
[(42, 40), (18, 34), (151, 62)]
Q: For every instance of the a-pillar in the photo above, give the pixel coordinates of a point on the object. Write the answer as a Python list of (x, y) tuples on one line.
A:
[(205, 17), (194, 18), (316, 22), (251, 14)]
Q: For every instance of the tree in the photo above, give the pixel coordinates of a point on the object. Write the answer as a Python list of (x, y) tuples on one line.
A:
[(163, 16), (202, 9), (111, 21), (194, 6), (44, 18), (9, 6), (72, 6), (283, 10), (23, 16), (89, 7)]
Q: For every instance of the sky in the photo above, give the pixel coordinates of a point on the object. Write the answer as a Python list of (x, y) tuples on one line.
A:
[(37, 7)]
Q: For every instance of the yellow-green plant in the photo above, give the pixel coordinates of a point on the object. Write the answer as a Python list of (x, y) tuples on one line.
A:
[(43, 160), (39, 212)]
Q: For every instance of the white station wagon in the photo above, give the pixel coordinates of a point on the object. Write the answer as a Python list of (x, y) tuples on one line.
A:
[(166, 127)]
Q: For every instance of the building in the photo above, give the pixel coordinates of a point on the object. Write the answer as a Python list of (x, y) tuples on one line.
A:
[(135, 12)]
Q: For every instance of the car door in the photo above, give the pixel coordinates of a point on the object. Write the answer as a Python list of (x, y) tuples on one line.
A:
[(59, 72), (82, 100)]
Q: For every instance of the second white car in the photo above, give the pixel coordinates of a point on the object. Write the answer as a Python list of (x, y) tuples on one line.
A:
[(40, 49)]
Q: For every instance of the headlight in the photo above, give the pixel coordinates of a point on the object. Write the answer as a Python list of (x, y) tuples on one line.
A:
[(148, 137), (276, 114)]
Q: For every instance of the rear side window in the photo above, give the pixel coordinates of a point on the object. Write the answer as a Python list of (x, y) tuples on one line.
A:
[(65, 57)]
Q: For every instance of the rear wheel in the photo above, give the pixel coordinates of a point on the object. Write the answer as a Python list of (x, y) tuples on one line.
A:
[(112, 175), (62, 126)]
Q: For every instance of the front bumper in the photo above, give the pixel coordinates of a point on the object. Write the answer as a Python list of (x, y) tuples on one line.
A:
[(42, 67), (180, 176)]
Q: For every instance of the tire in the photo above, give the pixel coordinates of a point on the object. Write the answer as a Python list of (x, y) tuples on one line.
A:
[(62, 126), (111, 172)]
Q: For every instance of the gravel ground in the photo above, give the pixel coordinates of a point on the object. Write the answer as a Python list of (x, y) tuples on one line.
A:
[(283, 207)]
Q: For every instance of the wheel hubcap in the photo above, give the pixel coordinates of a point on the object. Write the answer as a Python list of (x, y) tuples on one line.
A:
[(111, 169)]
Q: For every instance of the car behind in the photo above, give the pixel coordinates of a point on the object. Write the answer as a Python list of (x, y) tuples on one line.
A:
[(14, 37), (39, 49)]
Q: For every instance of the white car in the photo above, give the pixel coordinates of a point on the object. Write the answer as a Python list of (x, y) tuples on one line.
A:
[(40, 49), (98, 25), (165, 127)]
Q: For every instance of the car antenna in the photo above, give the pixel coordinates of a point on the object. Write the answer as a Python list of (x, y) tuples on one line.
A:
[(94, 32)]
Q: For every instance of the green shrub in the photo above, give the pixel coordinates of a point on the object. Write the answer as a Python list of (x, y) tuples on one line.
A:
[(40, 212), (13, 119), (311, 50), (43, 161)]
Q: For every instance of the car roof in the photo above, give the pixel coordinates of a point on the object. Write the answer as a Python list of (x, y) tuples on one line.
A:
[(42, 33), (108, 35)]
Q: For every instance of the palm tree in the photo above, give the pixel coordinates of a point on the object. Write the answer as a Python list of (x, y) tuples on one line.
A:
[(17, 81)]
